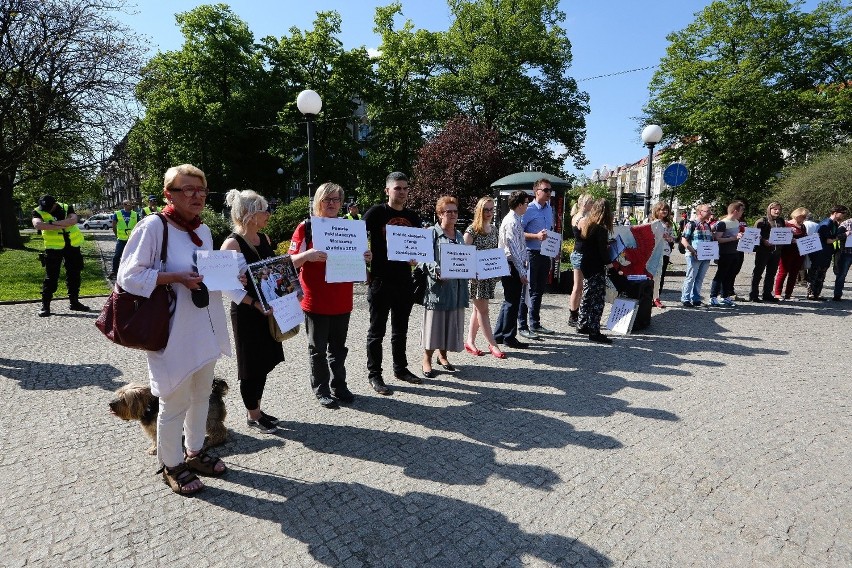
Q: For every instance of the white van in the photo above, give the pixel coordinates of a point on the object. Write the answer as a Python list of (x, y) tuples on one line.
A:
[(98, 221)]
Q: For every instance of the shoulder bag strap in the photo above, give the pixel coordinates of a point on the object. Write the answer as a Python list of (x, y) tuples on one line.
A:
[(165, 240)]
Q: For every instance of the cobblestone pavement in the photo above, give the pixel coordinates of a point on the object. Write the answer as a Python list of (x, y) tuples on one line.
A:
[(717, 437)]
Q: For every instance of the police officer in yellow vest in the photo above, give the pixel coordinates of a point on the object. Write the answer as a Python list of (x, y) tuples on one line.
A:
[(123, 222), (152, 206), (62, 239), (353, 212)]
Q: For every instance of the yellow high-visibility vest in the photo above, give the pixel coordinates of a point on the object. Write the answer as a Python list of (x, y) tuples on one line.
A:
[(122, 229), (56, 239)]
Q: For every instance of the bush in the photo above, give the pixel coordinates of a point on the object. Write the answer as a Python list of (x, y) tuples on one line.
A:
[(286, 218), (219, 226)]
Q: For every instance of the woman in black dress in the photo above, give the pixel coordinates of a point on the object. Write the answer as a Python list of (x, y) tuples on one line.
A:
[(257, 352)]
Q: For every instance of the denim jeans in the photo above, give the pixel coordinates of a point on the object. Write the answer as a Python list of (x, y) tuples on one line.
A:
[(842, 264), (539, 271), (695, 272), (507, 321)]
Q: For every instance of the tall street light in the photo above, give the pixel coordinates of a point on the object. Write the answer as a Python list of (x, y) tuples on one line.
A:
[(651, 134), (309, 104)]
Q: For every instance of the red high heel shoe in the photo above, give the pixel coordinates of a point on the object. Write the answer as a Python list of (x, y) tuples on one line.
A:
[(473, 350), (496, 352)]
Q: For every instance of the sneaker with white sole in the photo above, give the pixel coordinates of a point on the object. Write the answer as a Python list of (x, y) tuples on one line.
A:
[(714, 301), (263, 424), (728, 303)]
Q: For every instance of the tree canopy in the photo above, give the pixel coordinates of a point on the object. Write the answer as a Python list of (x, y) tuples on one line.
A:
[(750, 86), (818, 184), (67, 72)]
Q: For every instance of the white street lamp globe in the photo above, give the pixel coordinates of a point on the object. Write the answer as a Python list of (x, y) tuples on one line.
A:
[(309, 102), (652, 134), (280, 171)]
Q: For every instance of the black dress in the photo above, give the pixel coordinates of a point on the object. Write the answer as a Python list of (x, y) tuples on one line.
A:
[(257, 351)]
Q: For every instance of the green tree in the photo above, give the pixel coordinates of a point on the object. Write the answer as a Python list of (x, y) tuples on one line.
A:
[(818, 185), (205, 104), (67, 72), (505, 64), (738, 93)]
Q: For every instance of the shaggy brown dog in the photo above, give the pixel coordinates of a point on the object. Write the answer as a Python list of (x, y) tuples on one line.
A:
[(135, 402)]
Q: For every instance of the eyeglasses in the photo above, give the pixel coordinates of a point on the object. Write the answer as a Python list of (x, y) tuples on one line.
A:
[(331, 200), (192, 190), (547, 189), (487, 209), (451, 212)]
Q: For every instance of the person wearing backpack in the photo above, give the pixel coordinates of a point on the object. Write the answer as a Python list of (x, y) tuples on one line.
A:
[(694, 232)]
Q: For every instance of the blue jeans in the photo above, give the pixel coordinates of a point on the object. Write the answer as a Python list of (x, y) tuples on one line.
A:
[(844, 261), (695, 272), (539, 271)]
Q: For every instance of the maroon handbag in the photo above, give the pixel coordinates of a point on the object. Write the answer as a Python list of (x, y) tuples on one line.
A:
[(136, 321)]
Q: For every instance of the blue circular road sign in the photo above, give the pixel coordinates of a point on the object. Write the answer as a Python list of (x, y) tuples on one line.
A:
[(675, 175)]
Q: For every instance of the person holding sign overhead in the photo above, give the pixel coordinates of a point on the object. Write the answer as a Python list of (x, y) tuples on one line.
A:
[(694, 232), (446, 299), (483, 235), (327, 305), (537, 220), (791, 261), (257, 351), (391, 289)]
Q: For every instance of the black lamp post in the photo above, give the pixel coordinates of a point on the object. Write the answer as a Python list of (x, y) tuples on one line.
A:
[(309, 104), (651, 134)]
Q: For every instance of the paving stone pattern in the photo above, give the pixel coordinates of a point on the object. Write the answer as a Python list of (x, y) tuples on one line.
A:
[(717, 437)]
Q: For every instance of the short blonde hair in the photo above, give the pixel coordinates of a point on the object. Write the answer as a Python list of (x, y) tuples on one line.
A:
[(799, 211), (183, 169), (324, 191), (244, 206), (443, 202)]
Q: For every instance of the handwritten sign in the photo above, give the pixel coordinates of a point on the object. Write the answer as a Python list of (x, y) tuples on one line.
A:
[(345, 267), (552, 245), (220, 269), (458, 261), (780, 235), (491, 263), (333, 235), (707, 250), (621, 316), (808, 244), (409, 243), (287, 311), (750, 239)]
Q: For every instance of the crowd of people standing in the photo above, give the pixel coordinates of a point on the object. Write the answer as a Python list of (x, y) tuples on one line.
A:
[(182, 373)]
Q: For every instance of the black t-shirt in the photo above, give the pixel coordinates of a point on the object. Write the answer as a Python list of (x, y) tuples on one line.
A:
[(377, 218)]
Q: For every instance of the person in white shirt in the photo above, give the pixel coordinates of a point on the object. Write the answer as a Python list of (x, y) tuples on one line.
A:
[(511, 240)]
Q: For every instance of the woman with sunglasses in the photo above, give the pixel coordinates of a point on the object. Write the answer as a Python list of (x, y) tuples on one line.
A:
[(181, 374), (257, 351), (482, 234)]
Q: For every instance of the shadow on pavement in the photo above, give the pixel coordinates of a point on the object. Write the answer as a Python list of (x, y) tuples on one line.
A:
[(339, 521), (37, 375), (438, 459)]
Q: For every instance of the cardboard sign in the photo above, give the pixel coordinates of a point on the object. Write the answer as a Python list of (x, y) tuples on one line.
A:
[(552, 245), (458, 261), (707, 250), (809, 244), (491, 263), (621, 316), (410, 243), (780, 235)]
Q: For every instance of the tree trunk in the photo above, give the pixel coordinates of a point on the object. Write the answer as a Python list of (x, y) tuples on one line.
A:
[(10, 236)]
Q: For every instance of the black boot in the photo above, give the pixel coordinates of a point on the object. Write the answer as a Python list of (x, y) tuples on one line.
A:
[(573, 316), (76, 306), (45, 310)]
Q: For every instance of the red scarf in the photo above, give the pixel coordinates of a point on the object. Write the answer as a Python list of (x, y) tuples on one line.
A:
[(190, 226)]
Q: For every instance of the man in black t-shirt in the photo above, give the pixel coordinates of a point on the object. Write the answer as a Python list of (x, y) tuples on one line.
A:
[(391, 287)]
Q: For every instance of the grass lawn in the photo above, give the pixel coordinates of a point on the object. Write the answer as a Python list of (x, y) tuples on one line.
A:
[(21, 273)]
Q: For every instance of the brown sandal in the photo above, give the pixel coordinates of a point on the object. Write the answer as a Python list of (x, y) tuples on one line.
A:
[(204, 464), (179, 477)]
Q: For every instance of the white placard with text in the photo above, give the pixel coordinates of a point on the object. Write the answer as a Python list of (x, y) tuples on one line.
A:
[(780, 235), (621, 316), (287, 311), (410, 243), (220, 269), (458, 261), (552, 245), (809, 244), (750, 239), (707, 250), (491, 263)]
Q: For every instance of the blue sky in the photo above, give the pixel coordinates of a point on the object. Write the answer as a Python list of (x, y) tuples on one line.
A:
[(608, 37)]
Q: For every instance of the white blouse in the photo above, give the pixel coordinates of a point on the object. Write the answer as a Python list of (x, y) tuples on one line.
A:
[(197, 336)]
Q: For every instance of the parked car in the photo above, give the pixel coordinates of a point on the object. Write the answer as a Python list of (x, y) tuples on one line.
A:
[(98, 221)]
